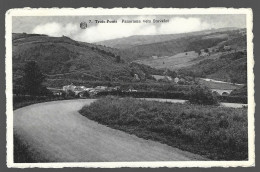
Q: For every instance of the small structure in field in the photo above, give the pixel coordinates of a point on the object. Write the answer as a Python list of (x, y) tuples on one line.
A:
[(176, 80), (204, 54)]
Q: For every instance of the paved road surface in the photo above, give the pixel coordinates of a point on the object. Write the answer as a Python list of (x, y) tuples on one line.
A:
[(58, 133)]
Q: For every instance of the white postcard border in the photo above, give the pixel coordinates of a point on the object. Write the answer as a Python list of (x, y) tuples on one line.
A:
[(129, 11)]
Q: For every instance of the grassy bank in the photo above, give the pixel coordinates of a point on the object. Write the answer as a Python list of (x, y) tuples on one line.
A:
[(24, 154), (217, 133), (21, 151)]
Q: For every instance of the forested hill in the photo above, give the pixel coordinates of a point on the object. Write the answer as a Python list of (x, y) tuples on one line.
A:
[(63, 58)]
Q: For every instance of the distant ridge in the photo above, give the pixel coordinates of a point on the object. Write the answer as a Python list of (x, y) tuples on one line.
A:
[(131, 41)]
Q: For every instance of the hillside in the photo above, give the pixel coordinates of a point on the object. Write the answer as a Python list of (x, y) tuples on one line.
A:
[(64, 60), (183, 54), (184, 44), (132, 41), (230, 67), (61, 58)]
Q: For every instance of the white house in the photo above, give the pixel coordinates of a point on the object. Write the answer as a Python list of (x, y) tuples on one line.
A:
[(176, 80)]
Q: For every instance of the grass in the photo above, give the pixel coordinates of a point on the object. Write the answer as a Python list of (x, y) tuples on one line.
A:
[(173, 62), (21, 151), (217, 133), (24, 154)]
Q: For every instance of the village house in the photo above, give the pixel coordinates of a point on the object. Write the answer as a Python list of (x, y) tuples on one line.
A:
[(162, 78), (75, 89), (101, 88), (203, 53)]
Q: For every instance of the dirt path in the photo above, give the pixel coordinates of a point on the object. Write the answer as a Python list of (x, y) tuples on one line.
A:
[(55, 131)]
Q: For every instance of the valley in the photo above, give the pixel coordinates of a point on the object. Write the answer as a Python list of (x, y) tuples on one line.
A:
[(218, 54)]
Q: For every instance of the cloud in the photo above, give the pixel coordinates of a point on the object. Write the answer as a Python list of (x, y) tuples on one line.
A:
[(56, 29), (182, 25), (106, 31)]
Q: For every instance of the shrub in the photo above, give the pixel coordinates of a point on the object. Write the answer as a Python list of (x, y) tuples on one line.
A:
[(202, 95), (70, 93), (233, 99), (84, 94)]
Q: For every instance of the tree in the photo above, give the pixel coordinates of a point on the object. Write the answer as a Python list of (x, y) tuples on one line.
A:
[(202, 95), (33, 79), (170, 73), (118, 58)]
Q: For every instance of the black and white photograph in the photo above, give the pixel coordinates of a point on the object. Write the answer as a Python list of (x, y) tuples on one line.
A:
[(130, 87)]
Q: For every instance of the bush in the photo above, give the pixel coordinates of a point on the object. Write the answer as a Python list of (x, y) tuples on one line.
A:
[(233, 99), (84, 94), (202, 95), (70, 93)]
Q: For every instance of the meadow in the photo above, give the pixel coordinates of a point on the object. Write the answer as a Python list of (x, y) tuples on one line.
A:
[(217, 133), (177, 61)]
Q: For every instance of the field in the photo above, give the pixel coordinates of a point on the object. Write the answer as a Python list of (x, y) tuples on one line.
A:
[(173, 62), (217, 133)]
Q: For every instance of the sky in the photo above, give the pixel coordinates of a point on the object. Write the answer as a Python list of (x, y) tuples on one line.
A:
[(70, 25)]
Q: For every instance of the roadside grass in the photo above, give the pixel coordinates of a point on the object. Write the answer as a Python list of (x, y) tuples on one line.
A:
[(23, 152), (218, 133)]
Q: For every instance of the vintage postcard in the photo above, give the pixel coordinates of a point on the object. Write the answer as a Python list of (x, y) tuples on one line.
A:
[(109, 88)]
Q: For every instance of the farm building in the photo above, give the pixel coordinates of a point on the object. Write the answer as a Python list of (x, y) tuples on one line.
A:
[(162, 77), (204, 54)]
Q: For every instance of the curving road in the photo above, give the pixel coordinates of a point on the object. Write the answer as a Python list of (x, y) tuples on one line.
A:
[(56, 132)]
